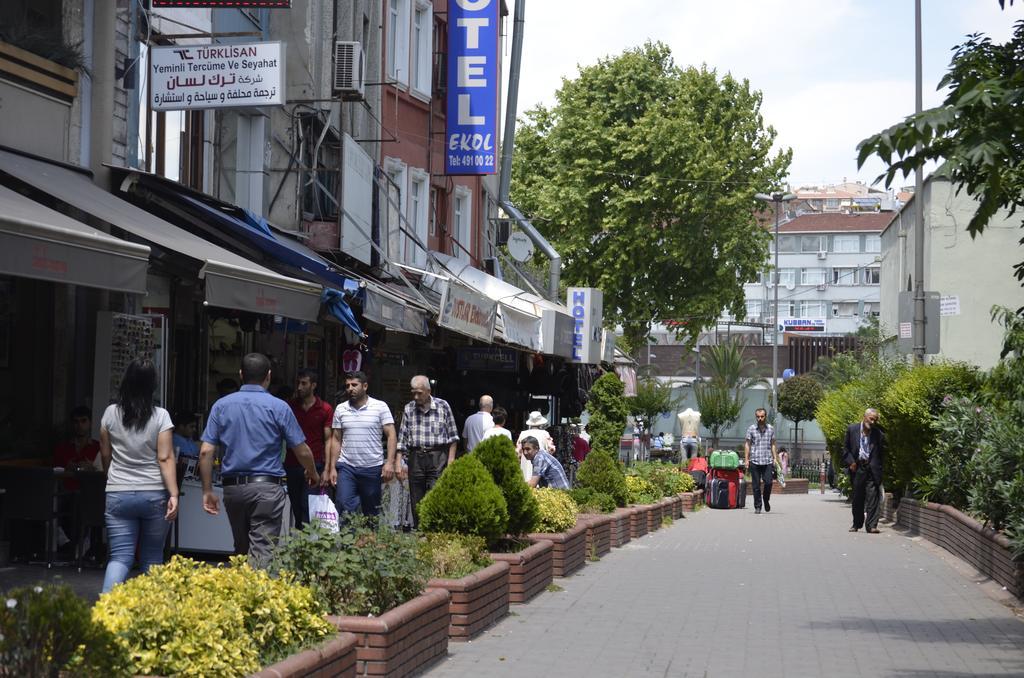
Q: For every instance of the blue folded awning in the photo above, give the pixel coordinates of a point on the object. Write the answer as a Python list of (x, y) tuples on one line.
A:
[(255, 230)]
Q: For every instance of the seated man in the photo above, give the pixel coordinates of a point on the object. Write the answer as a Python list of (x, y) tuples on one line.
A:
[(659, 442), (184, 438), (547, 472), (79, 451)]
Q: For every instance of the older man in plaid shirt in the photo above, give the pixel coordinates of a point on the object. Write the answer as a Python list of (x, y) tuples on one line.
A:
[(760, 458), (427, 437)]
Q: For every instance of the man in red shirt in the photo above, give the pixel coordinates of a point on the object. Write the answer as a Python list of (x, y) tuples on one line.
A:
[(314, 416), (80, 450)]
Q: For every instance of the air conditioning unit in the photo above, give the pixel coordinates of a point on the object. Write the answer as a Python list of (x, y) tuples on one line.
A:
[(349, 63), (822, 254), (821, 287)]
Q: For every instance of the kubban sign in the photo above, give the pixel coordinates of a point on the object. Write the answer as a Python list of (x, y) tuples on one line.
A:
[(471, 139)]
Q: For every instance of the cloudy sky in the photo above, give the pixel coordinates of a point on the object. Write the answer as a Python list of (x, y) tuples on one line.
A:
[(832, 71)]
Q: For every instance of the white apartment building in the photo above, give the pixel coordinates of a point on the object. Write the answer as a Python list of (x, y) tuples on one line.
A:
[(829, 274)]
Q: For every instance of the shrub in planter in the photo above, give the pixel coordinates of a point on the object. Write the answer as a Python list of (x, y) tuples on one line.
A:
[(360, 570), (453, 556), (602, 473), (557, 510), (590, 500), (48, 631), (668, 479), (641, 491), (194, 619), (961, 425), (498, 455), (907, 415), (465, 500), (608, 411)]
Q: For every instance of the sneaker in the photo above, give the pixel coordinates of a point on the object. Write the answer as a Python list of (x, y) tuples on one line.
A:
[(767, 507)]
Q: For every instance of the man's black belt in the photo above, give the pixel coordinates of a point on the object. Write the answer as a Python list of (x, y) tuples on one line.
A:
[(429, 448), (227, 481)]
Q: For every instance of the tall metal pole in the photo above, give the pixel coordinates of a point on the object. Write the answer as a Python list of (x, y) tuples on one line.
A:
[(775, 313), (919, 319)]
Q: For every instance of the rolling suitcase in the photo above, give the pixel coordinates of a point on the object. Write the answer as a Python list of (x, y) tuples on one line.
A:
[(718, 493), (741, 493)]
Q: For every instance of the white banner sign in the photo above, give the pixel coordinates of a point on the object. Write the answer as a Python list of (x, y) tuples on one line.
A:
[(587, 306), (521, 329), (949, 305), (467, 312), (217, 76)]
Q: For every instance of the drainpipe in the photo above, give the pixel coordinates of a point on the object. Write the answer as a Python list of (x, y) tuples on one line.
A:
[(508, 143), (101, 109)]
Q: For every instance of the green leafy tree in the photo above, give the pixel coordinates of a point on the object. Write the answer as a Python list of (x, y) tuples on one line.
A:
[(652, 399), (465, 500), (640, 160), (718, 409), (798, 398), (976, 132), (608, 412)]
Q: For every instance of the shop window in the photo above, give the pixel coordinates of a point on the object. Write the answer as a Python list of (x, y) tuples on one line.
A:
[(419, 210), (812, 243), (462, 219), (398, 40), (846, 243), (812, 276), (422, 41), (812, 309)]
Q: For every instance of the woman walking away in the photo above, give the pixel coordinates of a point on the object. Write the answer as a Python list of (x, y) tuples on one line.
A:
[(142, 486)]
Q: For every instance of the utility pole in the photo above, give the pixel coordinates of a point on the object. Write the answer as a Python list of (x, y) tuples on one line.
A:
[(919, 319), (777, 198)]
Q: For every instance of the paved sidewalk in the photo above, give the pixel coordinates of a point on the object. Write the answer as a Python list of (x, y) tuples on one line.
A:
[(727, 593)]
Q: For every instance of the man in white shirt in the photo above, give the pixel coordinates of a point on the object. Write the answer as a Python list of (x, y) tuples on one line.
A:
[(356, 461), (477, 424), (500, 416)]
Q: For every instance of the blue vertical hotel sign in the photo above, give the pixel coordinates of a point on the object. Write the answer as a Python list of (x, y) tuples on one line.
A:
[(471, 137)]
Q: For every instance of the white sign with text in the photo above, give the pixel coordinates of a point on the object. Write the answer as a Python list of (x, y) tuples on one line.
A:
[(186, 77)]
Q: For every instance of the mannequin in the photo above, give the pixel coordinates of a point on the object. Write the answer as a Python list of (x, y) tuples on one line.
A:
[(689, 424)]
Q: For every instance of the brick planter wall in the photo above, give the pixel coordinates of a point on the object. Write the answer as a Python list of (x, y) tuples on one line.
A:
[(477, 601), (638, 521), (621, 520), (691, 501), (570, 553), (985, 549), (599, 533), (402, 641), (333, 657), (670, 507), (888, 507), (654, 516), (530, 570)]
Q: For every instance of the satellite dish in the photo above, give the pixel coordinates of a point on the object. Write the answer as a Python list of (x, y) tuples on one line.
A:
[(520, 247)]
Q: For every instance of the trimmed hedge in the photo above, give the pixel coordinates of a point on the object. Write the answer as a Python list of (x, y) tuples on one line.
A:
[(498, 455), (465, 500)]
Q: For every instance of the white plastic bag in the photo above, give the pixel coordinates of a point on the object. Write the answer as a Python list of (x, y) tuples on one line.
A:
[(322, 509)]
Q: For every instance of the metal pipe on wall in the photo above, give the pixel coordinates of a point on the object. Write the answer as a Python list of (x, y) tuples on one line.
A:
[(101, 109)]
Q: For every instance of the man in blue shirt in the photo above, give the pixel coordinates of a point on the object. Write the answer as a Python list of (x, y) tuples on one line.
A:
[(250, 425), (547, 471)]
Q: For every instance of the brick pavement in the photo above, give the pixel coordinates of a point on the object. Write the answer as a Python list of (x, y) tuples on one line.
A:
[(790, 593)]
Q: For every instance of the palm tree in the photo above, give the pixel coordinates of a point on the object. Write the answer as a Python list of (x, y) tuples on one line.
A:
[(720, 398)]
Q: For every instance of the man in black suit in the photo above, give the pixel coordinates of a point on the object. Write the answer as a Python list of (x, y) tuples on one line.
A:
[(863, 454)]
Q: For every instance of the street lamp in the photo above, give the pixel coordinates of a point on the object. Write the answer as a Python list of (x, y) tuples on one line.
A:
[(778, 198)]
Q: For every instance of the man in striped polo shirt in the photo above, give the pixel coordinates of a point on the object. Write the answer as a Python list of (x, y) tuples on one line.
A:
[(356, 463)]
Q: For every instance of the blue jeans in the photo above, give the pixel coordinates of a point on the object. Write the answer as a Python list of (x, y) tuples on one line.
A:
[(359, 488), (298, 493), (131, 517)]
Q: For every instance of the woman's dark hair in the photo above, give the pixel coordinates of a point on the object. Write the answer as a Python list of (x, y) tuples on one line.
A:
[(136, 395)]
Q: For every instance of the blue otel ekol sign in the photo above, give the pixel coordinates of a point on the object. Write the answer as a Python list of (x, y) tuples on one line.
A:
[(472, 106), (587, 307)]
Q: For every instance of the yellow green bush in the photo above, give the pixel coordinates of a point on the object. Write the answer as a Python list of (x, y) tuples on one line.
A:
[(452, 556), (194, 619), (557, 510), (641, 490)]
